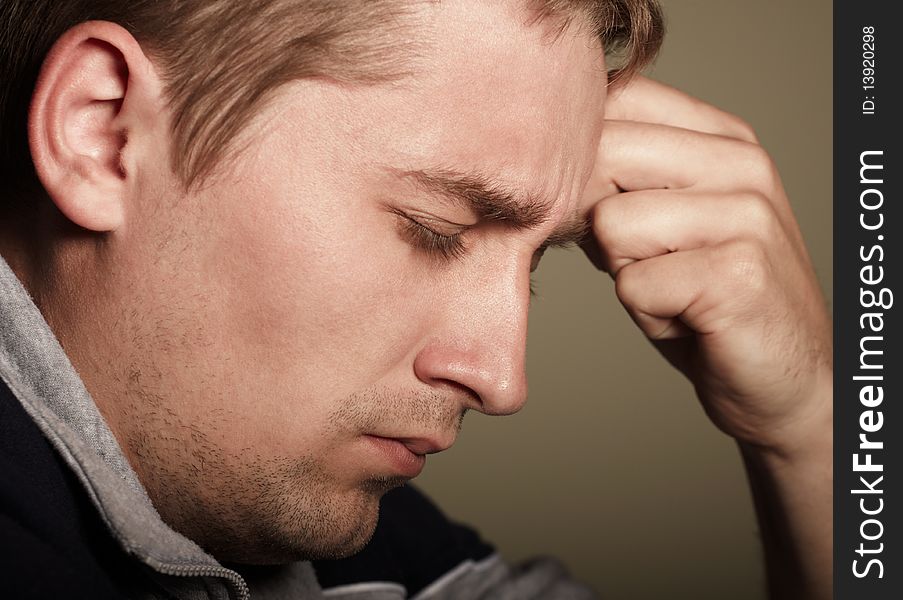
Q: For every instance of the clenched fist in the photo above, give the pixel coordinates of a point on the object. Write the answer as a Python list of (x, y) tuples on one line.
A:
[(691, 220)]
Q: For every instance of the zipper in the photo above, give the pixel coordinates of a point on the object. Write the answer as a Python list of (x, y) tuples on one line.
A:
[(236, 582)]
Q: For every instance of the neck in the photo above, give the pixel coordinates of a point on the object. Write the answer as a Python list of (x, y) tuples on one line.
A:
[(53, 259)]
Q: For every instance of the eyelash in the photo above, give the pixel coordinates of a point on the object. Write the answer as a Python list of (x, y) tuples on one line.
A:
[(445, 247)]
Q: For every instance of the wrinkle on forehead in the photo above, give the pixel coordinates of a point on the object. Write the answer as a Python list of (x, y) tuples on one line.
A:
[(491, 94), (509, 93)]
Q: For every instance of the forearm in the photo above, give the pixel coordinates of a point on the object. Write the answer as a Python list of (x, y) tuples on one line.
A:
[(793, 494)]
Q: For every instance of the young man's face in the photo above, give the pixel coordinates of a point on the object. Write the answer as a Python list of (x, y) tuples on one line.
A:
[(292, 338)]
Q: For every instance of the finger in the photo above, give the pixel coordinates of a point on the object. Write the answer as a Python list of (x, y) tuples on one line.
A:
[(701, 289), (649, 101), (634, 156), (639, 225), (638, 156), (650, 292)]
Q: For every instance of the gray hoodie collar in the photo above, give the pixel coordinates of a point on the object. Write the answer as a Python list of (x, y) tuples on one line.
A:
[(37, 371)]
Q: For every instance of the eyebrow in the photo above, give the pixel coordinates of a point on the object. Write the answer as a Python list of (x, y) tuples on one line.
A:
[(495, 202)]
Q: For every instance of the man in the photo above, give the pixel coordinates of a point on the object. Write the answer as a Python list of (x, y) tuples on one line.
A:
[(272, 253)]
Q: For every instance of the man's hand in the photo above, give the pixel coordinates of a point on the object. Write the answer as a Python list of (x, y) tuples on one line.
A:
[(690, 218)]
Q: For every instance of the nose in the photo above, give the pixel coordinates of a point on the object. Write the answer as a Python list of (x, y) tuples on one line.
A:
[(480, 343)]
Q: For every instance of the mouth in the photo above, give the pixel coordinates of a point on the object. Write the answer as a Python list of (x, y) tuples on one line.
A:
[(405, 459)]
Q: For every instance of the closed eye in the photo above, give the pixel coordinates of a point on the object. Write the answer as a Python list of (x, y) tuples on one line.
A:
[(445, 247), (426, 239)]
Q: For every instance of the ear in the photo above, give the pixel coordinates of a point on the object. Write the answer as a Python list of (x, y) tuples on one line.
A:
[(95, 87)]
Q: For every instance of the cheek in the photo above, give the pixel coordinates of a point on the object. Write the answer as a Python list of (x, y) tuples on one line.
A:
[(312, 293)]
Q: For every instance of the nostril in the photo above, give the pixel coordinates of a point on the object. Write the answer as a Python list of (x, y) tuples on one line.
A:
[(469, 398)]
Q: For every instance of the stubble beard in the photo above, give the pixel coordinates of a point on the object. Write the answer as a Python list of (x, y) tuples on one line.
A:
[(249, 509)]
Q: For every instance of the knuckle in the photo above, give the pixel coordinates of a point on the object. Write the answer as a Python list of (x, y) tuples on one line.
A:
[(628, 285), (745, 266), (607, 222), (757, 213), (742, 130), (762, 168)]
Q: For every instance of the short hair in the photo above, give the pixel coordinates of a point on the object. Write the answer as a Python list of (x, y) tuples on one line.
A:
[(221, 59)]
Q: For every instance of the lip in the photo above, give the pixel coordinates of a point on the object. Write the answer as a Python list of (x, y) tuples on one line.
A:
[(401, 458)]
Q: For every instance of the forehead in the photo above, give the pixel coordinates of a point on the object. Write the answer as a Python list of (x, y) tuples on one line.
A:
[(490, 93), (504, 83), (508, 97)]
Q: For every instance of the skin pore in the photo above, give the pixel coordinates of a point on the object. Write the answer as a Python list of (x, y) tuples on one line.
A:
[(244, 339)]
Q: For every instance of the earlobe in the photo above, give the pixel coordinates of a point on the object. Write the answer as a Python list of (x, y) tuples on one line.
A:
[(80, 122)]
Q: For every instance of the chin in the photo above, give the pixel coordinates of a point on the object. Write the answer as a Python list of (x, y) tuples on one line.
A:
[(339, 527)]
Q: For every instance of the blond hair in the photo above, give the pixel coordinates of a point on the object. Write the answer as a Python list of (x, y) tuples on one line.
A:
[(221, 59)]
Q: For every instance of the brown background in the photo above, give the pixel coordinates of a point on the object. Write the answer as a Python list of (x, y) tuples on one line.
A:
[(612, 466)]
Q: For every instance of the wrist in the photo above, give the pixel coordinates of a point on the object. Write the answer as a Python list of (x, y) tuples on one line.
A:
[(805, 438)]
